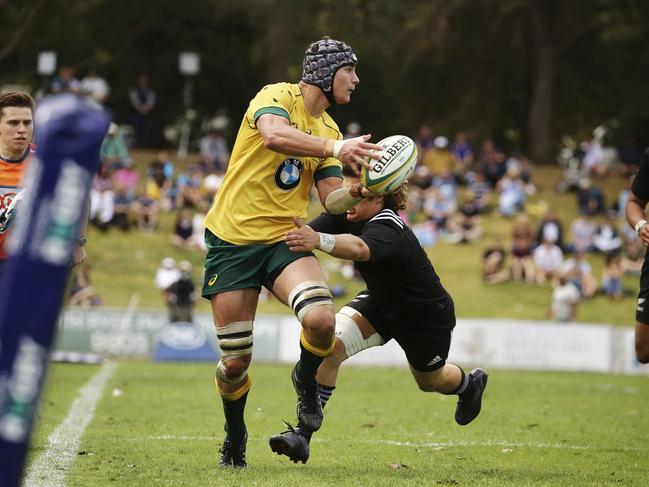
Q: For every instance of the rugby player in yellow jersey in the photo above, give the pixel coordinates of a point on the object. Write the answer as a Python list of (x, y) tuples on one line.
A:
[(286, 143)]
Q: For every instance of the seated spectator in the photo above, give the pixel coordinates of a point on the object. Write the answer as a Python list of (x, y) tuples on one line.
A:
[(113, 150), (612, 276), (464, 225), (81, 291), (426, 232), (181, 295), (197, 239), (145, 211), (590, 198), (439, 205), (188, 191), (522, 248), (550, 228), (126, 178), (582, 233), (594, 162), (525, 169), (166, 274), (547, 259), (214, 151), (122, 212), (491, 162), (607, 238), (102, 198), (481, 191), (183, 229), (158, 186), (493, 263), (579, 272), (512, 193), (565, 300), (632, 256)]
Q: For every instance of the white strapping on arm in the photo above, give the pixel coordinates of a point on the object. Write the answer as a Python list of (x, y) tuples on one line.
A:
[(339, 201)]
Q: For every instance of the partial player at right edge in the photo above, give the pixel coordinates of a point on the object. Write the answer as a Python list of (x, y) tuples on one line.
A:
[(404, 300)]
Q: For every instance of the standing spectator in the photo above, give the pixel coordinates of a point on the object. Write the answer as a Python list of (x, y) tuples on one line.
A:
[(522, 247), (491, 162), (214, 151), (438, 159), (166, 274), (565, 300), (548, 259), (143, 100), (424, 141), (64, 81), (463, 156), (95, 87), (181, 295), (113, 149)]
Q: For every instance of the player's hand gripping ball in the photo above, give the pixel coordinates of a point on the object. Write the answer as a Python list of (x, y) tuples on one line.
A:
[(395, 166)]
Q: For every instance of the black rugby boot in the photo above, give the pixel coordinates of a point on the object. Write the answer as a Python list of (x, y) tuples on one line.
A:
[(309, 407), (292, 444), (469, 403), (233, 453)]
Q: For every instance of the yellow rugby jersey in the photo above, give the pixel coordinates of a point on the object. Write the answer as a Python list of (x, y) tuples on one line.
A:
[(263, 190)]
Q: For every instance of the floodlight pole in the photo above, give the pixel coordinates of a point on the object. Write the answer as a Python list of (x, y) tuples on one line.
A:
[(189, 66)]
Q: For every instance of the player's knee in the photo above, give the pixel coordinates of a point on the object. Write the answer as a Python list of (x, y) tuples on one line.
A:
[(235, 342), (431, 381), (234, 370), (312, 303), (320, 322)]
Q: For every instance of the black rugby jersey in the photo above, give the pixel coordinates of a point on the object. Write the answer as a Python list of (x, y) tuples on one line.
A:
[(640, 185), (399, 276)]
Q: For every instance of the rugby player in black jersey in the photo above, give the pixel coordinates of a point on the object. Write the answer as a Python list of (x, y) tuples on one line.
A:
[(636, 216), (404, 300)]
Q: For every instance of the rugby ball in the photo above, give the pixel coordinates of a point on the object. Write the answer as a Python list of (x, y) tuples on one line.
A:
[(397, 163)]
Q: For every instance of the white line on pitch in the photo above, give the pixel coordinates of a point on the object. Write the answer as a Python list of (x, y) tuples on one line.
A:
[(52, 466), (433, 445)]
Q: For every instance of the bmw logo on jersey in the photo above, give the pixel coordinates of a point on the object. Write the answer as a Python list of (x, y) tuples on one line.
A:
[(288, 173)]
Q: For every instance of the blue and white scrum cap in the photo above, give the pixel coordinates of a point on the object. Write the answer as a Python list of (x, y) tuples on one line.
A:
[(321, 61)]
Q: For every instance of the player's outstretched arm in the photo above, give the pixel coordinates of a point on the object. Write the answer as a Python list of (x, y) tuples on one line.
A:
[(279, 136), (344, 246)]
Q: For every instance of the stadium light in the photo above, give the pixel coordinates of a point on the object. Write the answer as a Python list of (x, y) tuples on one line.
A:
[(189, 65)]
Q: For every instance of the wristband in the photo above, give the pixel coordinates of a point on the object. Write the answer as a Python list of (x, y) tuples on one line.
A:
[(338, 145), (638, 226), (327, 242)]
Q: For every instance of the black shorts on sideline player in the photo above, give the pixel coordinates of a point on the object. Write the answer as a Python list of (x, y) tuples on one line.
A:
[(642, 307), (425, 340)]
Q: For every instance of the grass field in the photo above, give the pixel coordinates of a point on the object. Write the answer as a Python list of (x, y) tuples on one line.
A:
[(536, 428)]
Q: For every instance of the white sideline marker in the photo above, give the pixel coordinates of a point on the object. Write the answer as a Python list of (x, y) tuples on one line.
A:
[(50, 469)]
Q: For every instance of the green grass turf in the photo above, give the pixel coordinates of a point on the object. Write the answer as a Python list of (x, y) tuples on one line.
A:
[(536, 428)]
